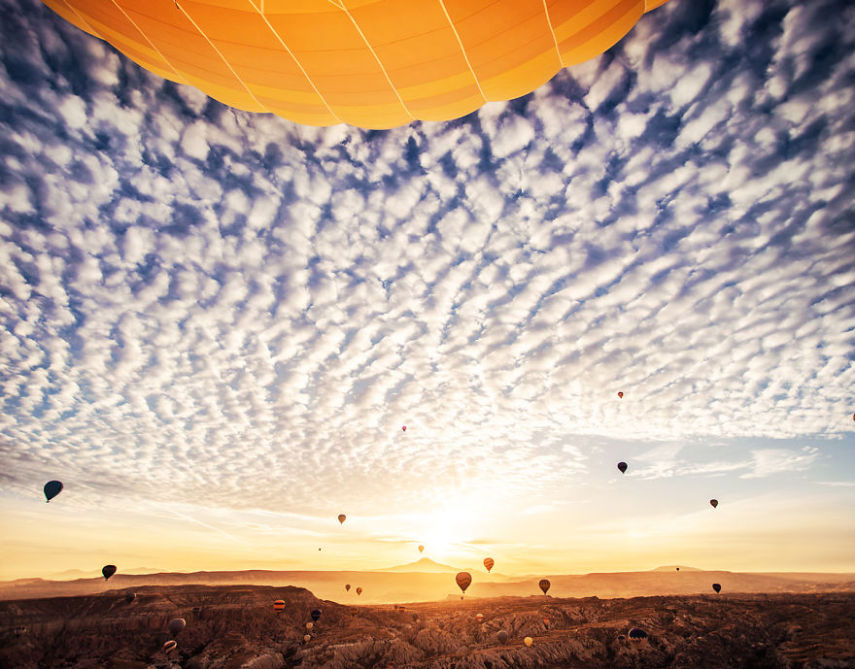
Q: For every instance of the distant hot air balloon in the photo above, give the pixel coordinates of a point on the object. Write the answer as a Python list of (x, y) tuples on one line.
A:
[(637, 634), (678, 569), (544, 585), (714, 503), (347, 586), (359, 591), (131, 596), (307, 638), (176, 625), (279, 605), (464, 578), (319, 550), (479, 617), (403, 428), (421, 549), (546, 622), (716, 587), (620, 394), (502, 636), (169, 646), (316, 613), (488, 563), (622, 466), (52, 489), (528, 641), (341, 518), (108, 570), (309, 626)]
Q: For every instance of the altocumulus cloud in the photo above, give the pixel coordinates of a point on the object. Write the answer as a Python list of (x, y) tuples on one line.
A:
[(224, 304)]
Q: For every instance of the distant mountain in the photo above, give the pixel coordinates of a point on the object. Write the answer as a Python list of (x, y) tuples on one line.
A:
[(424, 566), (676, 567)]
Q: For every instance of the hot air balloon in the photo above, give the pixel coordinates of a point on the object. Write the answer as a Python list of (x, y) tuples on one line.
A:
[(403, 428), (637, 634), (176, 625), (52, 489), (622, 466), (279, 605), (169, 646), (421, 549), (714, 503), (464, 578), (479, 617), (528, 641), (131, 596), (620, 394), (488, 563), (678, 569), (716, 587), (309, 626), (347, 586), (369, 64), (502, 636), (108, 570), (544, 585), (341, 518), (307, 638), (316, 613), (359, 591)]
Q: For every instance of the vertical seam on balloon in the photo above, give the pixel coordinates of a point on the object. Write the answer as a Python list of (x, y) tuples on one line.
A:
[(379, 63), (552, 31), (220, 54), (81, 19), (181, 78), (462, 50), (302, 69)]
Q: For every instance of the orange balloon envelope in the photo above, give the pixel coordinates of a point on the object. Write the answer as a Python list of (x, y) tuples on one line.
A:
[(341, 518), (307, 638), (359, 591), (347, 586), (421, 549), (544, 584), (170, 646), (309, 626), (369, 63), (620, 394), (488, 563), (479, 617), (279, 605), (528, 641), (464, 578)]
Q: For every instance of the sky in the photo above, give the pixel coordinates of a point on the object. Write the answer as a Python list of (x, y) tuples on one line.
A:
[(216, 323)]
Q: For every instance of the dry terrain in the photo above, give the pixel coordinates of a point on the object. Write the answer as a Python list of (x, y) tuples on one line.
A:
[(234, 627)]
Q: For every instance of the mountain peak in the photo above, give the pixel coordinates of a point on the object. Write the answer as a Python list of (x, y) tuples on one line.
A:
[(425, 565)]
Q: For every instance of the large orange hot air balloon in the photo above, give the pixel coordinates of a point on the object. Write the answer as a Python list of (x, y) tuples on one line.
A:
[(464, 578), (370, 63), (488, 563)]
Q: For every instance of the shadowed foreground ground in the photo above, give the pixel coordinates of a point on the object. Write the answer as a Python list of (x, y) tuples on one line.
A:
[(235, 627)]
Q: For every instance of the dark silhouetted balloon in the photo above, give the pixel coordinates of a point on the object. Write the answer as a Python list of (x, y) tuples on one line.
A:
[(359, 591), (316, 613), (169, 646), (52, 489), (502, 636), (279, 605), (678, 569), (620, 394), (716, 587), (544, 585), (176, 625), (131, 596), (713, 503), (341, 518), (464, 578), (488, 563), (108, 570), (637, 634), (347, 586), (622, 466)]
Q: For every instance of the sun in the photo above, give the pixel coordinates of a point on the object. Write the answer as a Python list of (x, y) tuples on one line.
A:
[(444, 533)]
